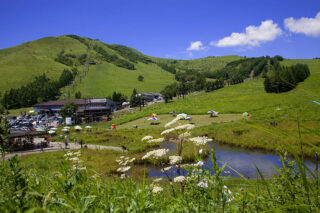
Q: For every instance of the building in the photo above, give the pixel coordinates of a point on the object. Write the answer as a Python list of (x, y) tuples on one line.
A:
[(149, 96), (88, 109)]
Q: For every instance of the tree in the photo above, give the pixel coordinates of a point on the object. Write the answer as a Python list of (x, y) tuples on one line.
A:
[(4, 133), (78, 95), (140, 78), (134, 100), (69, 109), (118, 97)]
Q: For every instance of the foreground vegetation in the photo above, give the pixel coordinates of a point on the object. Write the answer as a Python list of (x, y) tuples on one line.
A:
[(71, 187)]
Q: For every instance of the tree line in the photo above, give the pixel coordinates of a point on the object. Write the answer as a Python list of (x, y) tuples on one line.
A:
[(130, 54), (285, 78), (39, 90), (112, 58)]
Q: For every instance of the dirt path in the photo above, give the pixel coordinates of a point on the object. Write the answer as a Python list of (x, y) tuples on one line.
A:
[(58, 146)]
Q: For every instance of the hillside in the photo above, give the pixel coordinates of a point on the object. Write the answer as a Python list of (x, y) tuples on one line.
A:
[(117, 69), (202, 64), (257, 132)]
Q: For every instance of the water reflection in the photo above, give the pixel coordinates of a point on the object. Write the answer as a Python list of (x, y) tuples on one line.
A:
[(240, 160)]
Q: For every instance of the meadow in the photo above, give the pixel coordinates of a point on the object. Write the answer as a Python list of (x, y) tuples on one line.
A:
[(285, 110)]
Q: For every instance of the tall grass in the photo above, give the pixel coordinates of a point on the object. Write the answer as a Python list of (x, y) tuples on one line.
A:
[(72, 190)]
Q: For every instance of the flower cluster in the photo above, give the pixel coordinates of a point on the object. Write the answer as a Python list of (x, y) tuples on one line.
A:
[(172, 122), (186, 126), (200, 141), (179, 179), (147, 138), (158, 140), (123, 163), (158, 153), (174, 160), (157, 189), (184, 135), (74, 158)]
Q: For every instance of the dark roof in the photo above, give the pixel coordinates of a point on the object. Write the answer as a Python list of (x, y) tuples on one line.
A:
[(14, 134), (61, 102)]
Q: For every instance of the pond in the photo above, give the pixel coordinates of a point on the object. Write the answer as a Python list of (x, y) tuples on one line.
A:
[(241, 160)]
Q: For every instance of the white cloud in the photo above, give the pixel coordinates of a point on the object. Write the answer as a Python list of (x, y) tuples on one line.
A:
[(196, 45), (253, 35), (307, 26)]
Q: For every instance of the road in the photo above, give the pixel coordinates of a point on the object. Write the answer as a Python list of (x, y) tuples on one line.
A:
[(58, 146)]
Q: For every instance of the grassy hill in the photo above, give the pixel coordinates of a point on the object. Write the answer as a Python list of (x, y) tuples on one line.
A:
[(201, 64), (21, 64), (256, 132)]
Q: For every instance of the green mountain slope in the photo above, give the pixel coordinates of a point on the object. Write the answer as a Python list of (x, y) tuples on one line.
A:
[(21, 64), (203, 64)]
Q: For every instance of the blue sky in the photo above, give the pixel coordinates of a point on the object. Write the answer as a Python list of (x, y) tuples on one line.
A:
[(166, 28)]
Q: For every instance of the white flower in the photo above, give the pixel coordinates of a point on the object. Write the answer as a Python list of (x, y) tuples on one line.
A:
[(186, 126), (124, 169), (82, 168), (122, 157), (200, 151), (147, 138), (167, 131), (203, 184), (172, 122), (133, 159), (200, 141), (156, 154), (74, 159), (179, 179), (157, 180), (175, 159), (184, 135), (200, 163), (123, 176), (166, 169), (157, 189), (158, 140)]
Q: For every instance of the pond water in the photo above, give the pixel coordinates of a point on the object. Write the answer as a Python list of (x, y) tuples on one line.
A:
[(243, 161)]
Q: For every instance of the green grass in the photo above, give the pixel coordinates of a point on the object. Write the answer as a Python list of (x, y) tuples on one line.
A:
[(103, 79), (202, 64), (284, 108), (20, 64)]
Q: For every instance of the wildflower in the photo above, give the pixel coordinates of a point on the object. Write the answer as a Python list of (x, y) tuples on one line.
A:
[(123, 169), (74, 159), (200, 141), (172, 122), (175, 159), (166, 169), (123, 176), (133, 159), (167, 131), (200, 151), (203, 184), (82, 168), (157, 189), (200, 163), (184, 135), (122, 157), (156, 153), (186, 126), (158, 140), (146, 138), (157, 180), (179, 179)]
